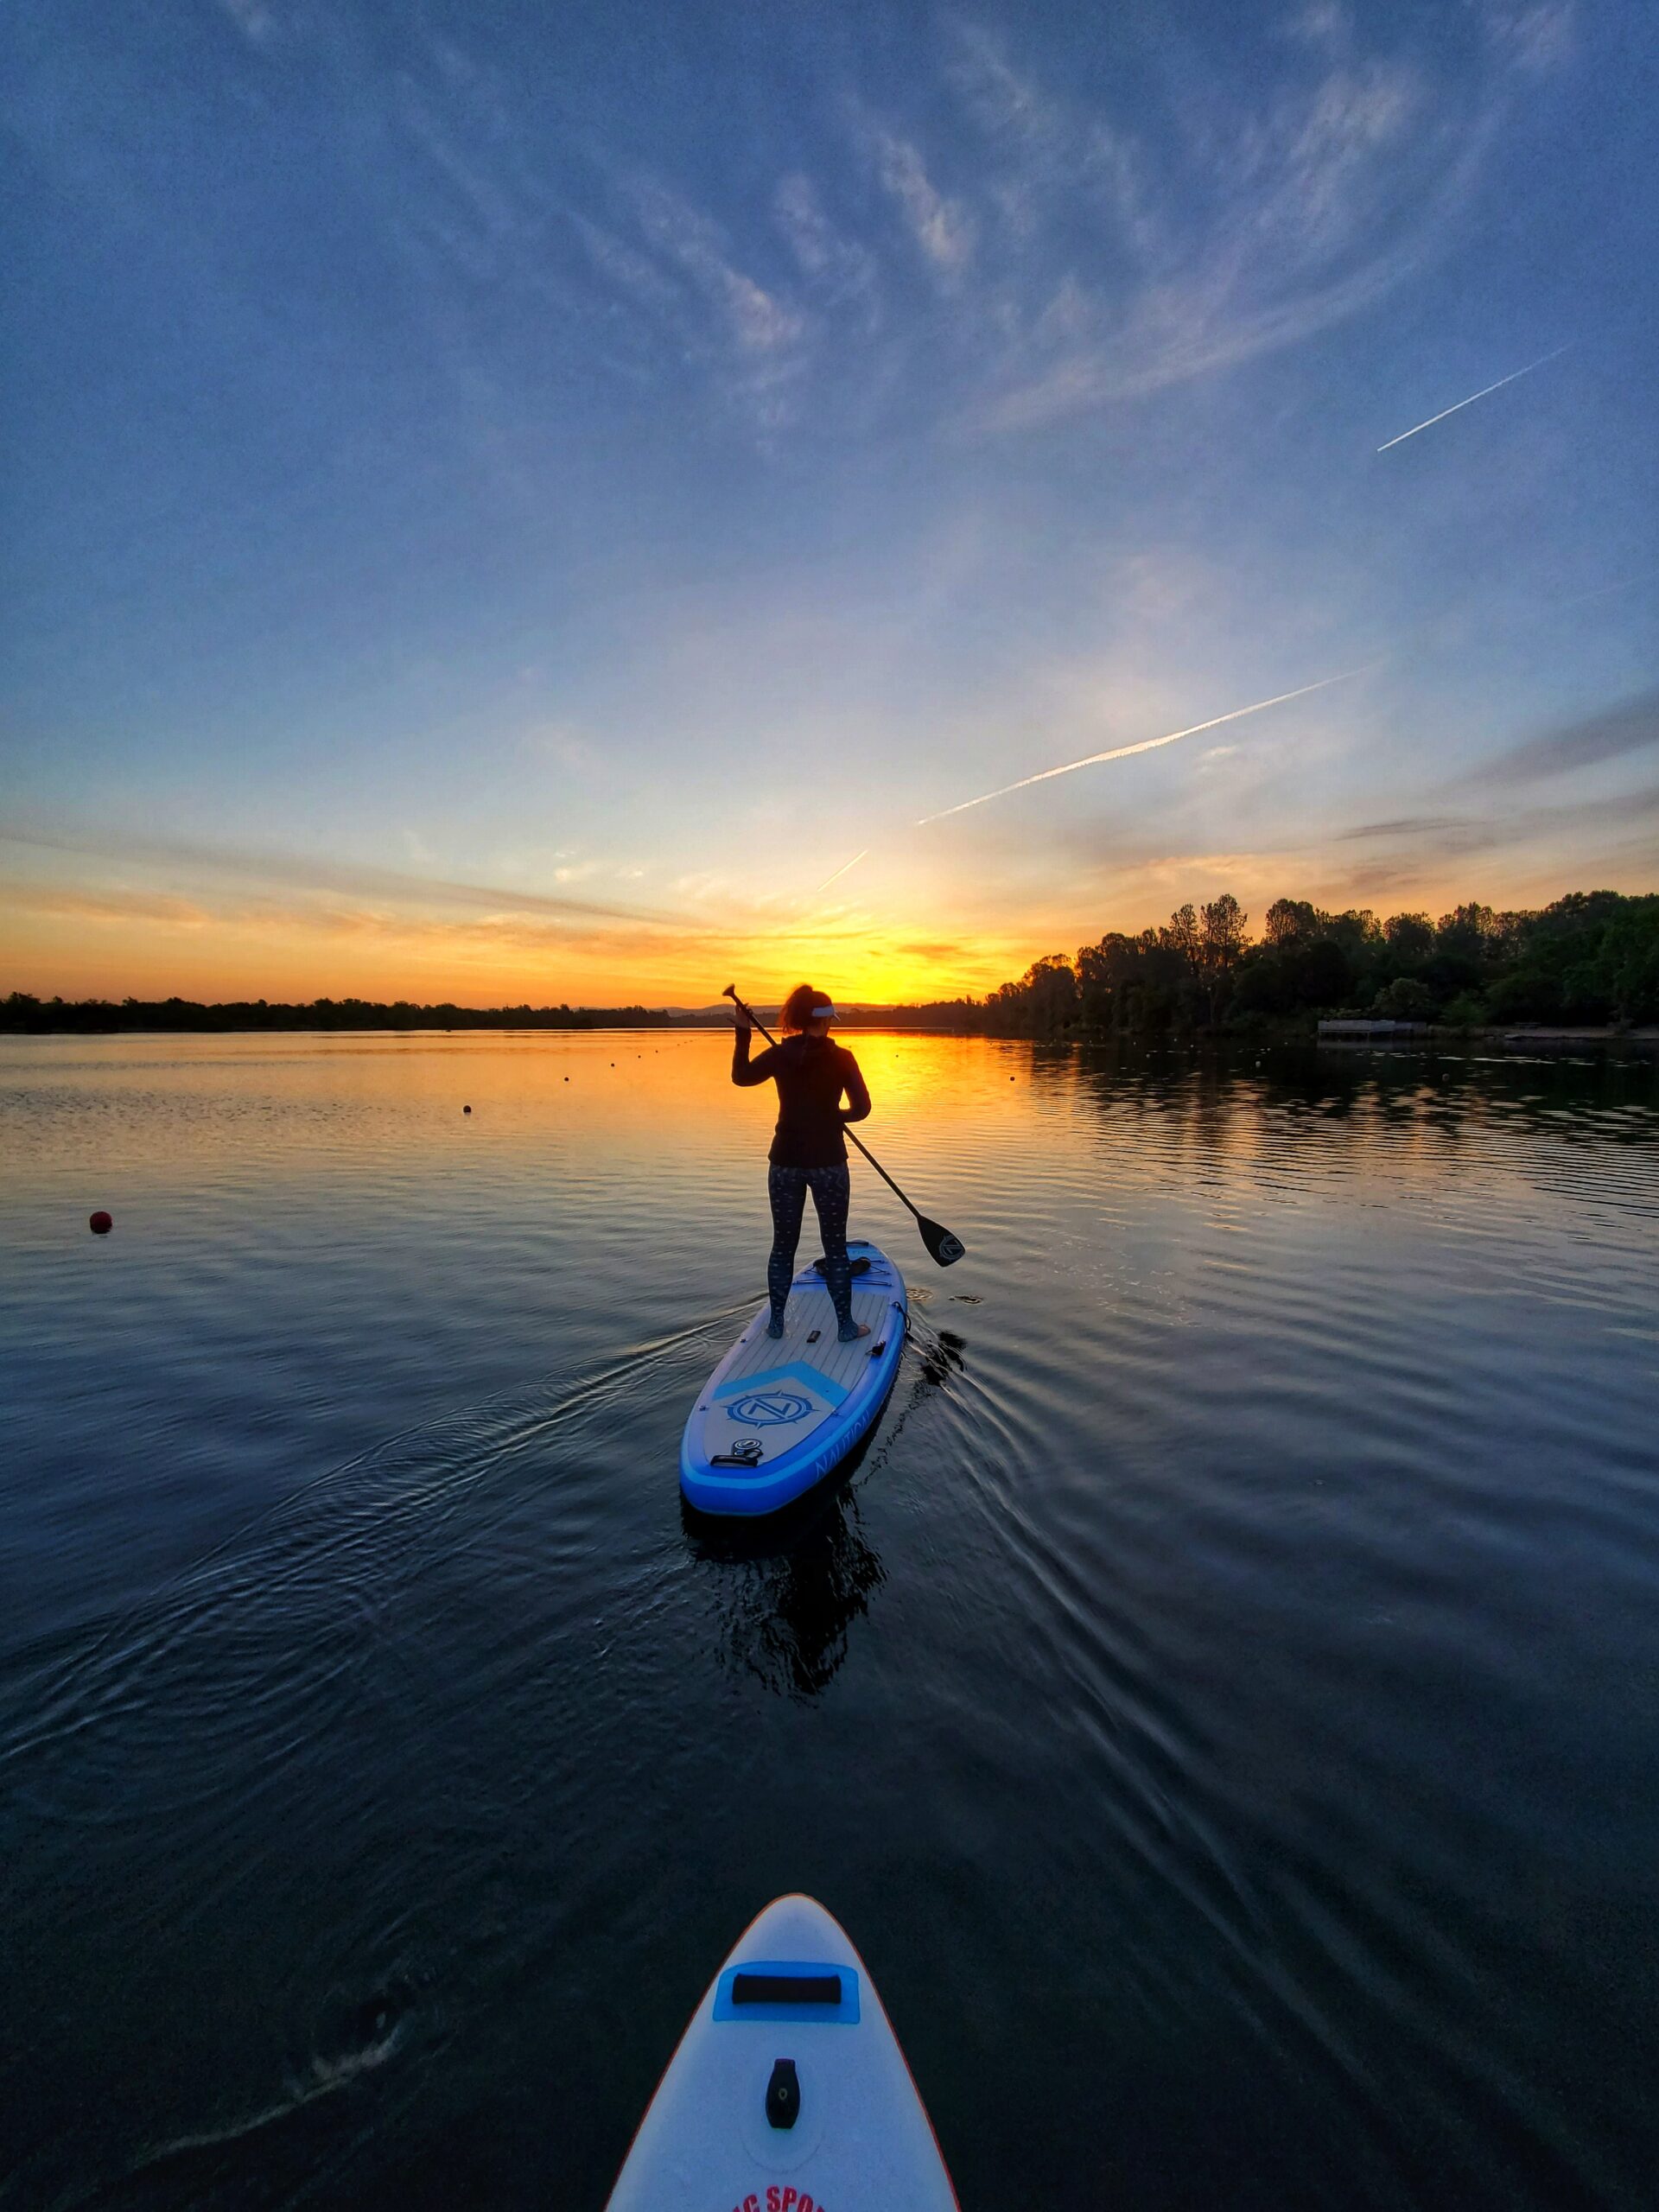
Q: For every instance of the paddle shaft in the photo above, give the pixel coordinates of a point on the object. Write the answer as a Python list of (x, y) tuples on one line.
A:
[(755, 1019)]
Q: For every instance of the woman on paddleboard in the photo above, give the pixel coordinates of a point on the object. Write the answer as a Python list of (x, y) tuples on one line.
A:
[(808, 1150)]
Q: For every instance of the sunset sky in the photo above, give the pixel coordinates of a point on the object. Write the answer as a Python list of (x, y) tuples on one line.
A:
[(509, 502)]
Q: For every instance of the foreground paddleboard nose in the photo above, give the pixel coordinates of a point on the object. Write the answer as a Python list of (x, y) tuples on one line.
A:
[(789, 2092)]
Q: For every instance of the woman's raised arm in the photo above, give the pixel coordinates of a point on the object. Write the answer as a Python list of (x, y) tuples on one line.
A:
[(746, 1072)]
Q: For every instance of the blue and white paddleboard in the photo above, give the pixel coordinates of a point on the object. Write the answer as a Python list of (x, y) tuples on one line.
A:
[(779, 1413), (789, 2092)]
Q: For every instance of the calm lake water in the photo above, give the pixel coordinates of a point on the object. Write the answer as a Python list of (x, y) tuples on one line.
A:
[(1223, 1703)]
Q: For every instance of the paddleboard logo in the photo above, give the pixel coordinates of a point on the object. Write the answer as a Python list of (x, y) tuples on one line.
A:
[(781, 2200), (770, 1408)]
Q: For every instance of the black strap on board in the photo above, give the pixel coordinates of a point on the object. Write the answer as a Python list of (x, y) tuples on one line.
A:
[(785, 1989)]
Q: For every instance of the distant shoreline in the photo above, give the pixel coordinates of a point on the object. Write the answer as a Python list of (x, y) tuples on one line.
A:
[(23, 1015), (1515, 1039), (583, 1021)]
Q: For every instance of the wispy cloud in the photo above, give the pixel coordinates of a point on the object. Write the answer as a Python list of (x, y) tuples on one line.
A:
[(942, 228), (1256, 223), (677, 274), (1402, 825), (757, 322), (1536, 36), (633, 274), (292, 872), (1578, 834), (1485, 392), (564, 743), (494, 939), (837, 265), (1611, 733), (20, 895), (255, 22), (1080, 249), (157, 914), (1609, 833)]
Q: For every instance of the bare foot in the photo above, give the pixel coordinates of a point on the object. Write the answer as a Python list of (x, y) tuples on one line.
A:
[(850, 1336)]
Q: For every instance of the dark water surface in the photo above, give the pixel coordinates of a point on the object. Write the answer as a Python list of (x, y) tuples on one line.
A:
[(1222, 1704)]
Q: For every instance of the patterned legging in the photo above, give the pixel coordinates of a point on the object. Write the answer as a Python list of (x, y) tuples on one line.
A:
[(787, 1188)]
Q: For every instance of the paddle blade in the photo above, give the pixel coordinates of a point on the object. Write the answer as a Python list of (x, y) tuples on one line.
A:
[(946, 1249)]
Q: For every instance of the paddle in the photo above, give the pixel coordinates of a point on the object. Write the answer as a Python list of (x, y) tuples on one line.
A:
[(945, 1246)]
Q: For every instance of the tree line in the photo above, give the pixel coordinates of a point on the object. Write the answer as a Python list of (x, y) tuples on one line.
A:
[(1591, 958), (39, 1017)]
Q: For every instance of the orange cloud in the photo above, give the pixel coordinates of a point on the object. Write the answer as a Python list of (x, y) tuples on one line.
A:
[(81, 942)]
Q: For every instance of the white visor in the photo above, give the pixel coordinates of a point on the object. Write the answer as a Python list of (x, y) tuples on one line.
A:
[(825, 1013)]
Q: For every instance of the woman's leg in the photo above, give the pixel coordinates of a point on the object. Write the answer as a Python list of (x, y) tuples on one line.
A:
[(786, 1188), (832, 1191)]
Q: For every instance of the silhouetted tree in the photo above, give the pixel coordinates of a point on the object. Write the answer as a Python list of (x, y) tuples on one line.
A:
[(1291, 921), (1223, 940)]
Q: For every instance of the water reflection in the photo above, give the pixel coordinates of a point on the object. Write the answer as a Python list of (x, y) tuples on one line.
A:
[(1276, 1123), (1583, 1101), (792, 1586), (941, 1353)]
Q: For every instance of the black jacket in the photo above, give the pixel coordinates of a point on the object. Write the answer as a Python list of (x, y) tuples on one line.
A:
[(812, 1073)]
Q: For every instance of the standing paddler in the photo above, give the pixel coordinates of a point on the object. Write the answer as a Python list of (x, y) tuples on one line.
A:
[(809, 1152)]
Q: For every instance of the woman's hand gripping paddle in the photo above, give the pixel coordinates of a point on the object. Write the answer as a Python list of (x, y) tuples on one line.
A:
[(945, 1246)]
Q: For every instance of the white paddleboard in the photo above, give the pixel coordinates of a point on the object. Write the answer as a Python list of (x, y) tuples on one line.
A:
[(789, 2092)]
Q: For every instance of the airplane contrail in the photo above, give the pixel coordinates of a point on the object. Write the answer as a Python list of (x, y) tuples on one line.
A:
[(1146, 745), (1472, 398), (841, 871)]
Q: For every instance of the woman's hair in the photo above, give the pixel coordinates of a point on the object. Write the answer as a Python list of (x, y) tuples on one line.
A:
[(797, 1007)]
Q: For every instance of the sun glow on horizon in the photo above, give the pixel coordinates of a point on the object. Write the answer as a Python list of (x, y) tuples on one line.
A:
[(153, 947), (74, 936)]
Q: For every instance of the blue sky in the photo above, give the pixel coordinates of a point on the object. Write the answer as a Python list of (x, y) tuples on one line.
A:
[(508, 503)]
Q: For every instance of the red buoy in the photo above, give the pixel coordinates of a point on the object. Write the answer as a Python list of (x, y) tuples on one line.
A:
[(101, 1223)]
